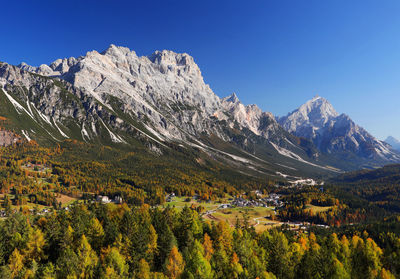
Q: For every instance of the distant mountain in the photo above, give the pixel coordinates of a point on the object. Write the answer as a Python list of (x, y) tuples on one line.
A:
[(337, 136), (393, 142)]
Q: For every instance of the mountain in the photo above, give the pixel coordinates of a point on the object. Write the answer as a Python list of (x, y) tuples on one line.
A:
[(337, 136), (160, 101), (395, 143), (386, 176)]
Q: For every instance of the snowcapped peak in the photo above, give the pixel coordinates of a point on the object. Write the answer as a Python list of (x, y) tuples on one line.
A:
[(314, 113), (316, 109), (231, 98), (318, 121), (316, 97)]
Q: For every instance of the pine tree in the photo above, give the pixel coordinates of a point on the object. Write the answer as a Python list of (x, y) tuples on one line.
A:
[(277, 247), (143, 270), (166, 240), (68, 264), (220, 262), (16, 264), (208, 247), (35, 245), (95, 233), (236, 268), (197, 264), (174, 264), (113, 263), (87, 259)]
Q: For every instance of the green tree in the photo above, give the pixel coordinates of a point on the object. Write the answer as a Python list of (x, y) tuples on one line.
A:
[(114, 263), (68, 264), (197, 264), (276, 246), (143, 270), (95, 234), (87, 259)]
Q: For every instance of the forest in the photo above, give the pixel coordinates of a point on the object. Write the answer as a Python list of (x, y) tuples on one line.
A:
[(143, 238), (115, 241)]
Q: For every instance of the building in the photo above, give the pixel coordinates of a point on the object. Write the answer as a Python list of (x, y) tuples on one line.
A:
[(103, 199)]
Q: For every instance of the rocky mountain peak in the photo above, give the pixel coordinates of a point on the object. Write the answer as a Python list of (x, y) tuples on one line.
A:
[(108, 93), (233, 98), (114, 50), (316, 109), (332, 133), (315, 112)]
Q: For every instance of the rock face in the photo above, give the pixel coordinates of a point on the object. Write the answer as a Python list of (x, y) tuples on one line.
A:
[(309, 118), (250, 116), (161, 100), (332, 133), (165, 88), (8, 138)]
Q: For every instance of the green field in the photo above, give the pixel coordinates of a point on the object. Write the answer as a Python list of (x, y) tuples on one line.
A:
[(259, 217), (180, 202)]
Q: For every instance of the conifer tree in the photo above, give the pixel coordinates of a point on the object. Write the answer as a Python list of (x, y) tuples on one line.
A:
[(87, 259), (16, 264), (197, 264), (174, 264)]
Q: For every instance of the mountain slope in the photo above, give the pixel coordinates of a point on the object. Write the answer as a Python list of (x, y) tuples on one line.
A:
[(337, 136), (159, 101), (386, 176), (116, 97)]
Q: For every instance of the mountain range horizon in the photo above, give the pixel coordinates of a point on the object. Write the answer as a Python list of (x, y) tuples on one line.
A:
[(45, 69), (115, 96)]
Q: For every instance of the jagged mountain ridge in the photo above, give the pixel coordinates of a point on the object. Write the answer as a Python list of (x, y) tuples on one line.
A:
[(165, 88), (162, 99), (336, 134)]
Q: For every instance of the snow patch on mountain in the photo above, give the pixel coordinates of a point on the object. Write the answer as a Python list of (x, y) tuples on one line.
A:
[(58, 128), (334, 133), (19, 108), (114, 137), (84, 133), (26, 135)]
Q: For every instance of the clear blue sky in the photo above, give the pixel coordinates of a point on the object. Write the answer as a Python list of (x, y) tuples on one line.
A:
[(277, 54)]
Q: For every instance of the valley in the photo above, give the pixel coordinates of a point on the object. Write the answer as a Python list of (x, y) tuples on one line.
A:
[(114, 165)]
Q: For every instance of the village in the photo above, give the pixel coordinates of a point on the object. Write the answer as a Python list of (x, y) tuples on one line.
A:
[(261, 211)]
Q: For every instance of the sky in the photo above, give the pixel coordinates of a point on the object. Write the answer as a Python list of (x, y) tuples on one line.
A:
[(275, 53)]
